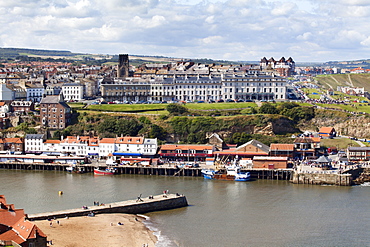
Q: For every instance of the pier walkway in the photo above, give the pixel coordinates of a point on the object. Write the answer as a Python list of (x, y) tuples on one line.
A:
[(138, 206)]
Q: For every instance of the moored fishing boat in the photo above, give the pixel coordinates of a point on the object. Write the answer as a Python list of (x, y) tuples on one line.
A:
[(232, 173), (105, 171), (75, 169)]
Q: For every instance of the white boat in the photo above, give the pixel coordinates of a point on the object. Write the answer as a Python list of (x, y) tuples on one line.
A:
[(232, 173)]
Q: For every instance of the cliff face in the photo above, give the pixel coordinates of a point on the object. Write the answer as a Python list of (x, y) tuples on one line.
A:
[(356, 126)]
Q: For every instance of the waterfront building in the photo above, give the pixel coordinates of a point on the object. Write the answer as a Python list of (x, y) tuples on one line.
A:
[(268, 162), (12, 145), (135, 146), (247, 150), (186, 152), (16, 230), (51, 147), (307, 147), (54, 112), (358, 153), (34, 143), (282, 150), (79, 146)]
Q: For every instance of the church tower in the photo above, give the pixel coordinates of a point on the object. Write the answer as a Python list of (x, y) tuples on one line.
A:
[(123, 66)]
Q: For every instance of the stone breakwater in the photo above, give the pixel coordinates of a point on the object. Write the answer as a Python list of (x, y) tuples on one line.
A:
[(138, 206), (322, 178)]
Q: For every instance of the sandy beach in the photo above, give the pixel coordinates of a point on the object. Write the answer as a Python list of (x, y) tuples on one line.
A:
[(100, 230)]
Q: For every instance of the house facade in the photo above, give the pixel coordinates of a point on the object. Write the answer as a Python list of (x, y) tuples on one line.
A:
[(12, 145), (34, 143), (186, 152), (73, 91), (22, 106), (54, 112)]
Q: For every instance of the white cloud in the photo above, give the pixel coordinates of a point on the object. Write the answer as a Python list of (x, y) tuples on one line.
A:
[(219, 29)]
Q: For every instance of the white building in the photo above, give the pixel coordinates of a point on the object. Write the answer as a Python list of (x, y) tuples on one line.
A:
[(79, 145), (5, 92), (135, 146), (34, 92), (34, 143), (73, 91)]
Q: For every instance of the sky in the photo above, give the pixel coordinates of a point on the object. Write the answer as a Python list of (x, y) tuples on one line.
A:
[(236, 30)]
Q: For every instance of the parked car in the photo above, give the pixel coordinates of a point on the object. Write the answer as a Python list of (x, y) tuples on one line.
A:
[(220, 101)]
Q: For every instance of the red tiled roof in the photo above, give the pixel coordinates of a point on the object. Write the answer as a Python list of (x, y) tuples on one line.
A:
[(108, 140), (11, 140), (9, 218), (129, 140), (326, 129), (11, 236), (52, 141), (27, 229), (283, 147)]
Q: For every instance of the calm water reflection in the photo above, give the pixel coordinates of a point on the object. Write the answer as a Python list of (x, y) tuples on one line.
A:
[(221, 213)]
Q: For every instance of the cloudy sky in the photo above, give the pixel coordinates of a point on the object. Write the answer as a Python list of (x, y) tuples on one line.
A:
[(239, 30)]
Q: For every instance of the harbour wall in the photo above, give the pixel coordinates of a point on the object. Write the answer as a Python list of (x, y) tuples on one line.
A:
[(269, 174), (272, 174), (139, 206), (322, 178)]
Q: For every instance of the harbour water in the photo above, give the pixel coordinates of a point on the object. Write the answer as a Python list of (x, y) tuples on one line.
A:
[(221, 213)]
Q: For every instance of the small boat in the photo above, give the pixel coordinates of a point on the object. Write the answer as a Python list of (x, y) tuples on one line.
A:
[(75, 169), (105, 171), (232, 173)]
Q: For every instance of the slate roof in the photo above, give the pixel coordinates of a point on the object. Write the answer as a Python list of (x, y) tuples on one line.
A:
[(257, 144), (34, 136)]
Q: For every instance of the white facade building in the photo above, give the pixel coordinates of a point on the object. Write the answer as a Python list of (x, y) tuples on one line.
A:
[(73, 91), (34, 143), (34, 92)]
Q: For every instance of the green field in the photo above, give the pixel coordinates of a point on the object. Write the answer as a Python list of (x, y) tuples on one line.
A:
[(219, 106), (341, 143)]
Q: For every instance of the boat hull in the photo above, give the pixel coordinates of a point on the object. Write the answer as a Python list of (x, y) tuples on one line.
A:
[(104, 172), (240, 177)]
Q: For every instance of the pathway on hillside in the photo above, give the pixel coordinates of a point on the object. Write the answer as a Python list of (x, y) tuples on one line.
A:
[(350, 80)]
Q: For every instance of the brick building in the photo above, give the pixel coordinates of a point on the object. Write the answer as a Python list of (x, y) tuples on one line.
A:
[(54, 112)]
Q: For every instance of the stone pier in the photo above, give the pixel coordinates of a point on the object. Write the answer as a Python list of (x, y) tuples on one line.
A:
[(138, 206)]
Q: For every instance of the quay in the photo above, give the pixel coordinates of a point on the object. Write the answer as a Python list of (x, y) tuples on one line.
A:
[(138, 206), (300, 175), (161, 170)]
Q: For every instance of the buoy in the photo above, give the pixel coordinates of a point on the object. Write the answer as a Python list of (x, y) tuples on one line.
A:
[(60, 192)]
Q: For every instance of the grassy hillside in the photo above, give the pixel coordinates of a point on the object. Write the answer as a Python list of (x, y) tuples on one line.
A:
[(351, 80)]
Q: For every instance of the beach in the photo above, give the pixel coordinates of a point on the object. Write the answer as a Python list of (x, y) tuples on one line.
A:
[(100, 230)]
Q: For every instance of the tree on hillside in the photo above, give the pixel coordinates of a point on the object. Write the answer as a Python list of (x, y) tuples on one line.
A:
[(157, 132), (176, 109), (268, 108)]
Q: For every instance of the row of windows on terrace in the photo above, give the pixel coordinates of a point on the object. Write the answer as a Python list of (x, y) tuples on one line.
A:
[(52, 110)]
